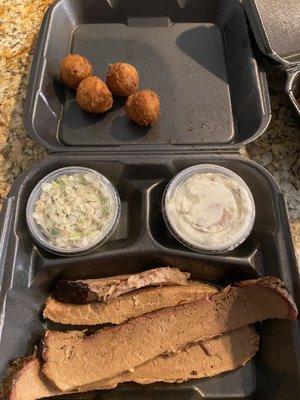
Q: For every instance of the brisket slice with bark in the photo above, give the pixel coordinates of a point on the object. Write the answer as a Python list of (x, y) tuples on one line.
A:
[(73, 359), (127, 306), (210, 358), (105, 289)]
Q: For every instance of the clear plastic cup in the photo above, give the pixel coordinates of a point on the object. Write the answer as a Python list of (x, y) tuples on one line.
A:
[(37, 232), (201, 240)]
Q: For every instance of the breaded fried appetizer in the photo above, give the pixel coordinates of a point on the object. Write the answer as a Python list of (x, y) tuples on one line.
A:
[(143, 107), (94, 96), (122, 79), (73, 69)]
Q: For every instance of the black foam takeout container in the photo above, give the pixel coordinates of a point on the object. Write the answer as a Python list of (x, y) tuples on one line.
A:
[(142, 241), (276, 26), (197, 55)]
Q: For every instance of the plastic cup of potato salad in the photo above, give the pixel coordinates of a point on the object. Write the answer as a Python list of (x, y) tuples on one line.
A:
[(209, 208), (73, 210)]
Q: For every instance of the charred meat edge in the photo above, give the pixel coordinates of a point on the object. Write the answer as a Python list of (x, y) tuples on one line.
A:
[(128, 306), (235, 306), (210, 358), (105, 289), (16, 373)]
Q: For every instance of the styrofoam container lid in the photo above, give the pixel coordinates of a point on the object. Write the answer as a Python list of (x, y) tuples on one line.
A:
[(275, 25), (209, 208), (37, 232)]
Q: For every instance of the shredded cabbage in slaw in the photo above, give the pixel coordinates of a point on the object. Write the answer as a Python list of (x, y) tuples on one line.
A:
[(73, 210)]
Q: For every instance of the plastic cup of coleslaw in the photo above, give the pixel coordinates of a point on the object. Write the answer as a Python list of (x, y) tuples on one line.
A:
[(209, 208), (73, 210)]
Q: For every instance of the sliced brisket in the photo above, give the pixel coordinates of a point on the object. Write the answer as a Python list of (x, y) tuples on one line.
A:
[(73, 359), (127, 306), (199, 360), (105, 289)]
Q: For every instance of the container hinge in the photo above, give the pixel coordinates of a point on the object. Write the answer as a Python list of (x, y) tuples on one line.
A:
[(293, 68), (288, 68), (198, 150)]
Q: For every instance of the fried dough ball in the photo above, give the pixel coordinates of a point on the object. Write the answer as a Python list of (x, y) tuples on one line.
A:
[(143, 107), (73, 69), (122, 79), (93, 95)]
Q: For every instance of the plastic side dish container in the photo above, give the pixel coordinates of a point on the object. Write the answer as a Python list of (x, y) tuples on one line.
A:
[(209, 208), (73, 210)]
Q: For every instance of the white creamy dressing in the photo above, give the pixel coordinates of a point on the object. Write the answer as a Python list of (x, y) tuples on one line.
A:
[(73, 210), (208, 210)]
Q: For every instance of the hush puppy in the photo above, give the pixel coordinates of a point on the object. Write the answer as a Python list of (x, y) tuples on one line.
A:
[(122, 79), (73, 69), (93, 95), (143, 107)]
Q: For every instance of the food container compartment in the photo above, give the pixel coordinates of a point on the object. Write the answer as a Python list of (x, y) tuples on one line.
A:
[(211, 89), (142, 241), (276, 26)]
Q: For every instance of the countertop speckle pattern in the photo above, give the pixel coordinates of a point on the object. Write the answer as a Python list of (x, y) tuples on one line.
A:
[(277, 150)]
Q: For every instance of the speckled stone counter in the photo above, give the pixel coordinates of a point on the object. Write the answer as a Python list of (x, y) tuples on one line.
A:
[(277, 150)]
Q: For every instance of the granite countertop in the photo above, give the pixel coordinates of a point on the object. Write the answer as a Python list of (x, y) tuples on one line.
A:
[(277, 150)]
